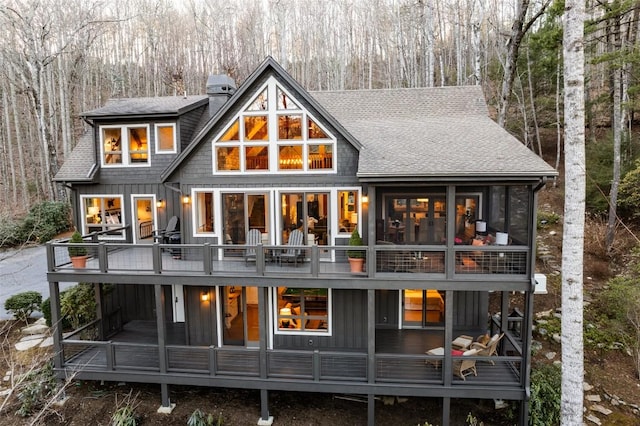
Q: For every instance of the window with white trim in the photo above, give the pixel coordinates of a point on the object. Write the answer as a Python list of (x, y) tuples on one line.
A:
[(302, 310), (273, 133), (124, 145), (103, 214), (165, 138)]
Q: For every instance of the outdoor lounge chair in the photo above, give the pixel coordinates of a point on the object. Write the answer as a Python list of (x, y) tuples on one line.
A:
[(463, 366), (165, 235), (254, 237), (295, 239), (490, 348)]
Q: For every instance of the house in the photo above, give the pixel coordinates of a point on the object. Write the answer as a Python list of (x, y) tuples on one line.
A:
[(267, 181)]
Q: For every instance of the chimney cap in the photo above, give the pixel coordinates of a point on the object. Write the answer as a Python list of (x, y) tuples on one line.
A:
[(220, 84)]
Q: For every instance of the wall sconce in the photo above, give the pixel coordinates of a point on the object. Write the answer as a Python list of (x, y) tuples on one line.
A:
[(186, 199), (160, 203), (284, 323), (204, 297), (365, 199)]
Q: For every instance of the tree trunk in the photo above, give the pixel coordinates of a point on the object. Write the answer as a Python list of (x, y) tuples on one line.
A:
[(574, 211)]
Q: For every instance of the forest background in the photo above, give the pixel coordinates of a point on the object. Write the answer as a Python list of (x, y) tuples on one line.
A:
[(59, 59)]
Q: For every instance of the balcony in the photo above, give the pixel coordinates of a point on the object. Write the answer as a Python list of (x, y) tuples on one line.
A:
[(408, 262), (397, 363)]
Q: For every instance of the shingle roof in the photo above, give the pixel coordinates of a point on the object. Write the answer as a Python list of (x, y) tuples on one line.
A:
[(80, 164), (429, 132), (147, 106)]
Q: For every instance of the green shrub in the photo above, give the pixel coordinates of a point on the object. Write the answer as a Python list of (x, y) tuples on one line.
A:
[(44, 221), (199, 418), (45, 308), (22, 305), (125, 414), (355, 240), (36, 389), (76, 238), (78, 305), (629, 194), (546, 393), (9, 232), (547, 218)]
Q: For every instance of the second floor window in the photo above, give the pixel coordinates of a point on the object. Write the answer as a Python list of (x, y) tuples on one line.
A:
[(273, 133), (124, 145)]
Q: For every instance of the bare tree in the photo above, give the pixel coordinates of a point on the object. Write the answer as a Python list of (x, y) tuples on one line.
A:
[(518, 30), (574, 212)]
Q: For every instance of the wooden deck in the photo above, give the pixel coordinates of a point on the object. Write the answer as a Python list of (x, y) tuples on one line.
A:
[(399, 359)]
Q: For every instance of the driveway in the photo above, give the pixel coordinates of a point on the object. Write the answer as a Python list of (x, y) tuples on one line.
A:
[(24, 270)]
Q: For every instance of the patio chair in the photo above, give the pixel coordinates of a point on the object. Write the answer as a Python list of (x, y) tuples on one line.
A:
[(295, 239), (490, 348), (463, 366), (168, 234), (254, 237)]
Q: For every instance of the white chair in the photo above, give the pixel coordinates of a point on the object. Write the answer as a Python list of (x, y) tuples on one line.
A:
[(254, 237), (293, 253)]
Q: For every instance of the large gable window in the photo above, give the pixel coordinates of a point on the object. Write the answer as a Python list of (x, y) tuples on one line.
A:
[(124, 145), (273, 133)]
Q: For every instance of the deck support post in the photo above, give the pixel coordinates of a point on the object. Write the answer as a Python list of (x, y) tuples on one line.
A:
[(446, 410), (371, 410), (166, 407), (265, 419)]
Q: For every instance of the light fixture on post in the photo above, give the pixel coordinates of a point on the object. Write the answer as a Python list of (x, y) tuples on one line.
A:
[(204, 296)]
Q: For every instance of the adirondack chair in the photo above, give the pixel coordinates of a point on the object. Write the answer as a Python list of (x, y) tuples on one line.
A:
[(254, 237), (164, 236), (295, 239)]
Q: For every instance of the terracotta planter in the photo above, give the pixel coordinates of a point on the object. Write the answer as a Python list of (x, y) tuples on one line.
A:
[(79, 261), (356, 264)]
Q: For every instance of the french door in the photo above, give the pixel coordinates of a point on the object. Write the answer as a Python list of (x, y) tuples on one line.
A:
[(422, 308), (239, 316), (242, 212), (308, 212)]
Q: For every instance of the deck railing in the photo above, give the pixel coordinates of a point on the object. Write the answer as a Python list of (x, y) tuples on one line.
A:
[(414, 261), (292, 365)]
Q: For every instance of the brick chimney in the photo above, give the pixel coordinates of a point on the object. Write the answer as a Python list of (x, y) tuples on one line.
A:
[(219, 88)]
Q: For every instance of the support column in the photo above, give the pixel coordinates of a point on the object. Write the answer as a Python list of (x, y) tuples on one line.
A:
[(56, 329), (265, 419), (446, 411), (371, 354), (166, 406), (371, 410)]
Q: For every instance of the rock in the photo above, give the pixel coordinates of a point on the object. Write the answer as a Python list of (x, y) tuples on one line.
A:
[(35, 329), (586, 387), (46, 343), (544, 314), (535, 345), (500, 404), (594, 419), (33, 336), (41, 321), (5, 392), (28, 344), (600, 409), (556, 338), (558, 363), (552, 233), (550, 355), (593, 398), (542, 322)]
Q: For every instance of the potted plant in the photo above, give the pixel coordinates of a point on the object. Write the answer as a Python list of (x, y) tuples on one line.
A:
[(356, 257), (77, 254)]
